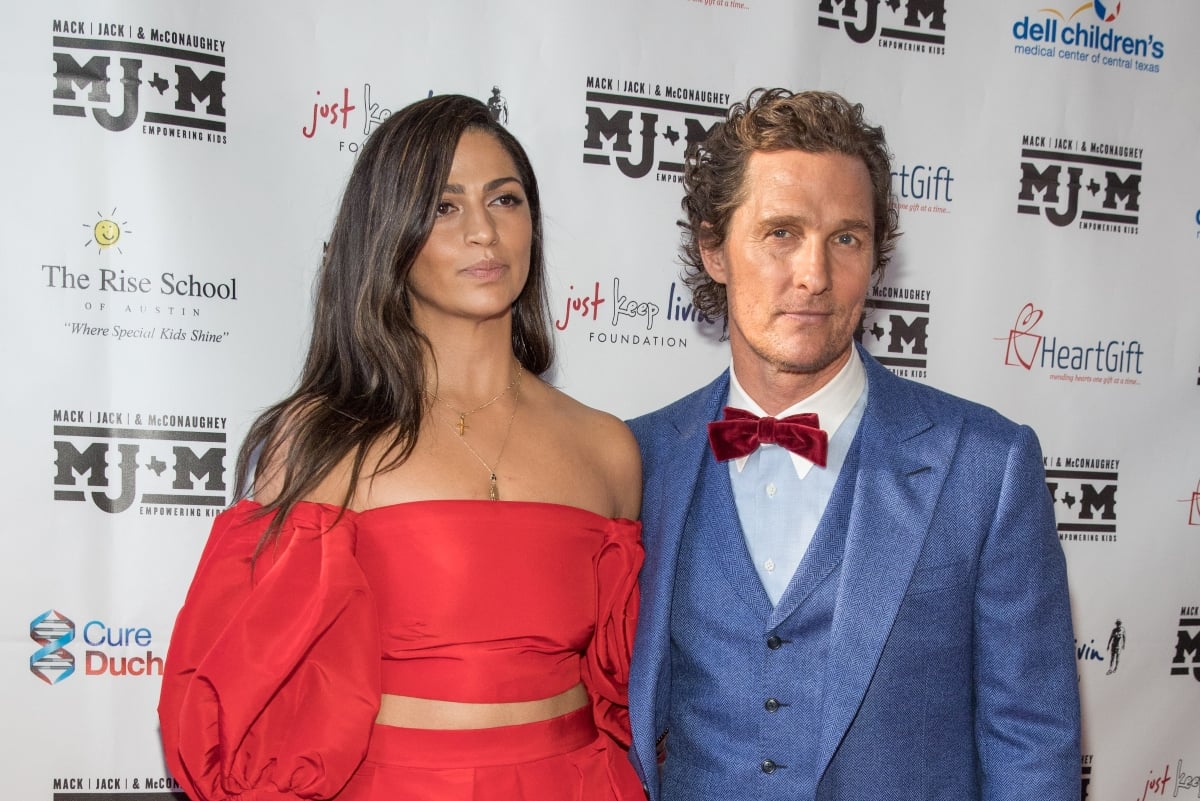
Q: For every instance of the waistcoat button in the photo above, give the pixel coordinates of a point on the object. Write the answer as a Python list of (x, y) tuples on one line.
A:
[(771, 705), (774, 643), (768, 766)]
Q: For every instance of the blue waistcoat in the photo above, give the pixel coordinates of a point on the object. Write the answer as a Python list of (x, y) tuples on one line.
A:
[(746, 677)]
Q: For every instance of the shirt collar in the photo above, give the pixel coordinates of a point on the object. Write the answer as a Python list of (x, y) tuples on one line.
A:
[(831, 403)]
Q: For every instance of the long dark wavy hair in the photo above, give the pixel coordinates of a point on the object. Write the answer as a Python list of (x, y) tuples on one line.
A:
[(364, 377), (771, 120)]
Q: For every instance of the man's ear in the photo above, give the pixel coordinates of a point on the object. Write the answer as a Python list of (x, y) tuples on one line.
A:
[(713, 256)]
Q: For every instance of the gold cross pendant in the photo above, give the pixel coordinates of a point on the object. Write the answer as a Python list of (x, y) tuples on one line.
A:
[(462, 424)]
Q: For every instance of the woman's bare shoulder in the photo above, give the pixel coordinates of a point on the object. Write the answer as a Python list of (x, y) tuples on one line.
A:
[(276, 453), (608, 443)]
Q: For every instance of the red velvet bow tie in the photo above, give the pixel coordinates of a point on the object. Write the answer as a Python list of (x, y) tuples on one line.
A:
[(741, 432)]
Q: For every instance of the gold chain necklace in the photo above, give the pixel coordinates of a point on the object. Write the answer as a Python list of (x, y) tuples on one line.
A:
[(461, 426), (493, 486)]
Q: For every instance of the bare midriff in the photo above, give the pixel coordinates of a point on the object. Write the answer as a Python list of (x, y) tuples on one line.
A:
[(428, 713)]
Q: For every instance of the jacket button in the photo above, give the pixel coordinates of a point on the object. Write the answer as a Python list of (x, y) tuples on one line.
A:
[(774, 643), (768, 766), (772, 705)]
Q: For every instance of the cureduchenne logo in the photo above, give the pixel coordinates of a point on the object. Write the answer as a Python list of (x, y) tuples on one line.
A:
[(917, 27), (105, 649), (172, 82)]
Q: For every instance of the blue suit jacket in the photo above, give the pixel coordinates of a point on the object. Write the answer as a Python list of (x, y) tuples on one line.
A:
[(951, 670)]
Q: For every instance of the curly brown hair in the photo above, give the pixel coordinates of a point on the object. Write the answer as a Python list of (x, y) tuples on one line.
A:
[(771, 120)]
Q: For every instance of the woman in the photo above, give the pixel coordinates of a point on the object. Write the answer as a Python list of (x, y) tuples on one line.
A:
[(432, 593)]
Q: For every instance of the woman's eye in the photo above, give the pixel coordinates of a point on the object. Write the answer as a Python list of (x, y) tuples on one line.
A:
[(444, 208), (509, 200)]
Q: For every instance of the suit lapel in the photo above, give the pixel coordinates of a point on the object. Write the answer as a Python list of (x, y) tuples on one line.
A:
[(680, 442), (904, 460)]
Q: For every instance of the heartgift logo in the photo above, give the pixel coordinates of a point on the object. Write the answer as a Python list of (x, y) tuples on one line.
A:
[(1193, 506), (1099, 361), (1023, 343)]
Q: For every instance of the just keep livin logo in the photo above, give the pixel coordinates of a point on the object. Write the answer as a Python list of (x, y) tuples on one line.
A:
[(172, 82), (1054, 170), (170, 464), (668, 117), (918, 26)]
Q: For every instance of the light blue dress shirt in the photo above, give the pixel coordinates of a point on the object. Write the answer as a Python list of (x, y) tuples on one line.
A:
[(780, 496)]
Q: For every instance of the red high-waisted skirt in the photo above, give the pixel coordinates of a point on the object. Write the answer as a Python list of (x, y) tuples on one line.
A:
[(561, 759)]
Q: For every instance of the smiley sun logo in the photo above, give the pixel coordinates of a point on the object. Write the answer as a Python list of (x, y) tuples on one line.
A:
[(106, 232)]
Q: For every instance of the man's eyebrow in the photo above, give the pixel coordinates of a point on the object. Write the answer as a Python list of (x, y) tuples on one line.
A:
[(781, 220)]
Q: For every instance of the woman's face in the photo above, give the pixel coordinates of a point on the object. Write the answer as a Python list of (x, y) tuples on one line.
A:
[(476, 260)]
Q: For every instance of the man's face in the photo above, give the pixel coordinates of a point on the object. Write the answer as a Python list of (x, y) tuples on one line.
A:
[(796, 263)]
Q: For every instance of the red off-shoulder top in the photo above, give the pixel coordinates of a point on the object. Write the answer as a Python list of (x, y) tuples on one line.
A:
[(276, 665)]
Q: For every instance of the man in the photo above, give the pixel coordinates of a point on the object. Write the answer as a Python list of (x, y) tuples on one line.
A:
[(1116, 644), (885, 616)]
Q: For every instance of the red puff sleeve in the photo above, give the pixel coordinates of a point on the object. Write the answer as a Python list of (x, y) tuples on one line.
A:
[(605, 668), (271, 684)]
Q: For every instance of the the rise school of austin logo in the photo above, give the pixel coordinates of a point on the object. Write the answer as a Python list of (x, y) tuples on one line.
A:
[(1088, 34), (352, 114), (106, 232), (612, 314), (641, 127), (162, 464), (1095, 183), (171, 83), (1186, 660), (1107, 655), (106, 648), (1107, 362), (1085, 776), (915, 26), (896, 329), (108, 283), (1084, 493)]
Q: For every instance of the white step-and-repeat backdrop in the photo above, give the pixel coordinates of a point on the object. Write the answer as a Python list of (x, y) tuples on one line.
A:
[(171, 171)]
